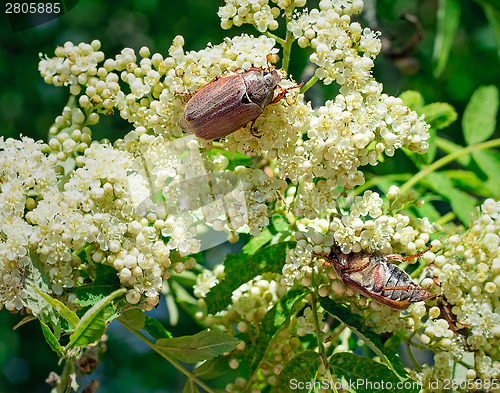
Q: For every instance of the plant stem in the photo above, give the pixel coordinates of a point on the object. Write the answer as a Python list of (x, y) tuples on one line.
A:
[(309, 83), (446, 160), (287, 49), (64, 384), (416, 366), (461, 362), (446, 218), (319, 335), (168, 358), (418, 271), (279, 40)]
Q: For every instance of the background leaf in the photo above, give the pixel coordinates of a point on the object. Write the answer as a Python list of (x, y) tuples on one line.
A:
[(447, 24), (302, 367), (106, 281), (277, 317), (462, 203), (241, 268), (92, 325), (51, 340), (489, 163), (439, 114), (413, 100), (365, 374), (358, 326), (202, 346), (493, 15), (61, 308), (480, 115)]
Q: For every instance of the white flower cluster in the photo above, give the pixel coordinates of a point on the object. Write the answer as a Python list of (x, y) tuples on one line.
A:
[(96, 207), (468, 272), (346, 133), (25, 171)]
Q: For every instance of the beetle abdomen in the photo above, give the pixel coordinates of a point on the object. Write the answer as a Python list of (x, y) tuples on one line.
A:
[(219, 109)]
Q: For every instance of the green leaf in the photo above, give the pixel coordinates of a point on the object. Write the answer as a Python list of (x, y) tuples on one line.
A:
[(256, 243), (156, 329), (358, 326), (462, 203), (133, 319), (480, 115), (193, 349), (190, 387), (277, 317), (61, 308), (427, 210), (301, 368), (41, 308), (439, 114), (52, 340), (367, 375), (413, 100), (448, 20), (450, 147), (469, 181), (173, 311), (106, 282), (92, 325), (138, 320), (489, 163), (25, 320), (241, 268), (212, 368), (493, 16)]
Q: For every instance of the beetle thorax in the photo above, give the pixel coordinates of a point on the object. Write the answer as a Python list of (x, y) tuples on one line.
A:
[(260, 86)]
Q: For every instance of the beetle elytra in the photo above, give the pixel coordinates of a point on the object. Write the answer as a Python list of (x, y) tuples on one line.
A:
[(376, 278), (228, 103)]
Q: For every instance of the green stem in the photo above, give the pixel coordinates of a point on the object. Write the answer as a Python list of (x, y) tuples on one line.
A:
[(279, 40), (446, 160), (309, 83), (418, 271), (319, 335), (64, 384), (416, 366), (374, 181), (446, 218), (464, 364), (287, 49), (169, 359)]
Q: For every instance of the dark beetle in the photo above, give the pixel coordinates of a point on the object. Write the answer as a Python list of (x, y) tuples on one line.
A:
[(228, 103), (375, 277)]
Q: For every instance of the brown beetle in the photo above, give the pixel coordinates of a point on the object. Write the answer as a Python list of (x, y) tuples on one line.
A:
[(376, 278), (228, 103)]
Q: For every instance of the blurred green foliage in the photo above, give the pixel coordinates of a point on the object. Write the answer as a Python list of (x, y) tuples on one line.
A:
[(28, 106)]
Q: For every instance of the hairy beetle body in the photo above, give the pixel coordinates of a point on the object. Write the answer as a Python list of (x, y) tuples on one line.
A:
[(228, 103), (376, 278)]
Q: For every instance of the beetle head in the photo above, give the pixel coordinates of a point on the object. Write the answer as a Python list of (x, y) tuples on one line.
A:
[(271, 79)]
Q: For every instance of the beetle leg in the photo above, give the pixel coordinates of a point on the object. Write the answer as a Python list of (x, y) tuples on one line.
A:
[(252, 130), (180, 93), (282, 92), (357, 269), (403, 288), (379, 277), (399, 258)]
